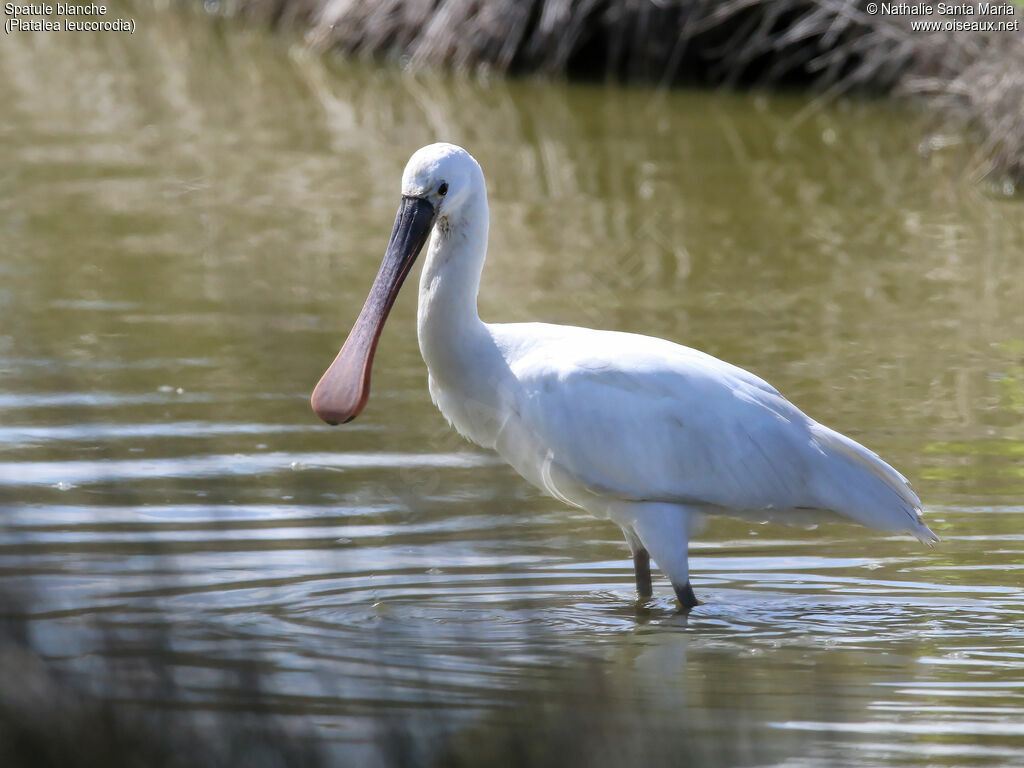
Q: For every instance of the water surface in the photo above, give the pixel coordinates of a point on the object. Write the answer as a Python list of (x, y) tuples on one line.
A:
[(191, 218)]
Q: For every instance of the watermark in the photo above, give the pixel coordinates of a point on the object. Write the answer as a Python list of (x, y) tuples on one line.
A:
[(62, 17), (952, 17)]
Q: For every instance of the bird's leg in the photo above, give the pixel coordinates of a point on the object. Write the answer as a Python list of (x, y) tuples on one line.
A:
[(686, 597), (662, 532), (642, 568)]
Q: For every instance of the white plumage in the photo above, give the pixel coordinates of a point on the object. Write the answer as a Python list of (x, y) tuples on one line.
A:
[(633, 428)]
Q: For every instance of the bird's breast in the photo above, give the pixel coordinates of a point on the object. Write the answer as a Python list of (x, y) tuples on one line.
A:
[(474, 418)]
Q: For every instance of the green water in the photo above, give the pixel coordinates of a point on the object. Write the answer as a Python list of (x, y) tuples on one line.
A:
[(190, 219)]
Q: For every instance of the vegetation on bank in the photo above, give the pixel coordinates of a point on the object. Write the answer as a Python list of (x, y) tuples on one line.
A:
[(973, 82)]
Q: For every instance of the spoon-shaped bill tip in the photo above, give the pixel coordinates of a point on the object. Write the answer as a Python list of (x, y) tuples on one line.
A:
[(344, 388)]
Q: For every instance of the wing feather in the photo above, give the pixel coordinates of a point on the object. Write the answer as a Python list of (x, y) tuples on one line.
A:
[(635, 418)]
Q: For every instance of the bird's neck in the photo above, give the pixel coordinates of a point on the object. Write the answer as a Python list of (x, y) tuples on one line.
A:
[(468, 374), (449, 326)]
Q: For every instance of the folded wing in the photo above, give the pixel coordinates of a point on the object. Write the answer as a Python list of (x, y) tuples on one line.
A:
[(636, 418)]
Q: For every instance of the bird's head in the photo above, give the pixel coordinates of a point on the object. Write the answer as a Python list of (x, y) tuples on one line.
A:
[(438, 181), (444, 176)]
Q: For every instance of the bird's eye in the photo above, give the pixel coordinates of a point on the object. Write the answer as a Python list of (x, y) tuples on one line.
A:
[(443, 189)]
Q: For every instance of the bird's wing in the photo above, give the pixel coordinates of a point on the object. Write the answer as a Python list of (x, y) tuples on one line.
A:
[(636, 418)]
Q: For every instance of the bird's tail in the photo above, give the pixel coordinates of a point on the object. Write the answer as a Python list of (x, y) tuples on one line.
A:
[(869, 490)]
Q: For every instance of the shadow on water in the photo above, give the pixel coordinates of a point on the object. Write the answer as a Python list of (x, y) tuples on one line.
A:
[(190, 221)]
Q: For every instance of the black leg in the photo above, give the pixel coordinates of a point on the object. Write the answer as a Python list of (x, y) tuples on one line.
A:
[(642, 567), (686, 597)]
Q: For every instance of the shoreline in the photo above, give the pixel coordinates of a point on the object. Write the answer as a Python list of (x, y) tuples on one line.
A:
[(968, 82)]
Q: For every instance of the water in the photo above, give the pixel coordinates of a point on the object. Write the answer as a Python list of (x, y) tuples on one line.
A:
[(191, 218)]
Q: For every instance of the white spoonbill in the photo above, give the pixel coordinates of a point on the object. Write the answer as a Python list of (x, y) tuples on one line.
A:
[(644, 432)]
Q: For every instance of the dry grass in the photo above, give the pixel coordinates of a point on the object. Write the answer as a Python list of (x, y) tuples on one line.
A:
[(977, 86)]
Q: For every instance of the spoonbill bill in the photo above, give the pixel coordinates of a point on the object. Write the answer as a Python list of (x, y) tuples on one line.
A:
[(647, 433)]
